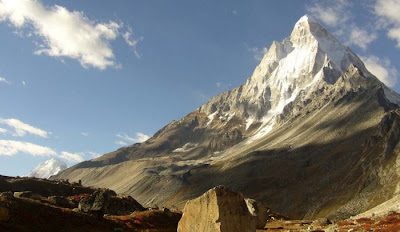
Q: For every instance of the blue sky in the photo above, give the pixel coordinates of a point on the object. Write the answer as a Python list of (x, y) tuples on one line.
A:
[(82, 78)]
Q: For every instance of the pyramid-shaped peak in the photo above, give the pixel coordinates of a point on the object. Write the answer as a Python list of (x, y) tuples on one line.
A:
[(307, 18), (308, 26)]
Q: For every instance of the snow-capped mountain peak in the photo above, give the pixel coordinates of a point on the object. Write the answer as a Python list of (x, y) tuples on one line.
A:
[(308, 58), (48, 168)]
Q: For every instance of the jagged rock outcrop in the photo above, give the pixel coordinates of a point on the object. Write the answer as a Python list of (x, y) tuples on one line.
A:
[(217, 210)]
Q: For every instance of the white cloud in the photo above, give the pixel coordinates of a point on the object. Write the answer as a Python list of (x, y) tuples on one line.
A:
[(382, 69), (122, 143), (2, 130), (337, 14), (12, 147), (84, 134), (72, 157), (388, 13), (331, 13), (63, 33), (132, 43), (4, 80), (258, 53), (94, 154), (21, 129), (328, 15), (361, 37), (139, 138), (23, 83)]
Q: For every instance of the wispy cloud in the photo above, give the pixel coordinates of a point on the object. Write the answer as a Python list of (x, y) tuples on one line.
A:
[(72, 157), (21, 129), (121, 143), (382, 69), (85, 134), (132, 42), (64, 33), (389, 17), (258, 53), (4, 80), (337, 14), (2, 130), (361, 37), (93, 155), (125, 139), (23, 83), (12, 147), (333, 13)]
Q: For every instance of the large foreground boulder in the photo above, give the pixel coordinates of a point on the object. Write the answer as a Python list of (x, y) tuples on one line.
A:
[(217, 210)]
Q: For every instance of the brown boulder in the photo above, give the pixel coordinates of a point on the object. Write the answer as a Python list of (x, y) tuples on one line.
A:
[(217, 210)]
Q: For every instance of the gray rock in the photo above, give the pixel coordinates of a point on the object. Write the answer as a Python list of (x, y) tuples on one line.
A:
[(96, 203), (322, 222)]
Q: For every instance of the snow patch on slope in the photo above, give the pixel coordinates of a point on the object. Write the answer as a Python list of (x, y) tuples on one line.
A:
[(186, 148), (211, 118)]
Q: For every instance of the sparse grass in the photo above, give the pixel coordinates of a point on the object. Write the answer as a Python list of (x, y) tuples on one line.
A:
[(365, 221), (346, 223)]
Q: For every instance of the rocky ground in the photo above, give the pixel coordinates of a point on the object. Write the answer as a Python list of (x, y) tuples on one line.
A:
[(30, 204), (387, 223)]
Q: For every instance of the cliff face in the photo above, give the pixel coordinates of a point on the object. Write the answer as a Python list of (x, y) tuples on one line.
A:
[(311, 134)]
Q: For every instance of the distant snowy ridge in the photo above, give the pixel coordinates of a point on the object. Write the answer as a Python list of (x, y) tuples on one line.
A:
[(48, 168)]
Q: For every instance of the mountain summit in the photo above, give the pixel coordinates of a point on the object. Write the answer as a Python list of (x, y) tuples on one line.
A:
[(48, 168), (312, 133)]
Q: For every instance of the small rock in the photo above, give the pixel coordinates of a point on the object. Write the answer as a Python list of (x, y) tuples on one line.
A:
[(167, 212), (28, 194), (322, 222)]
